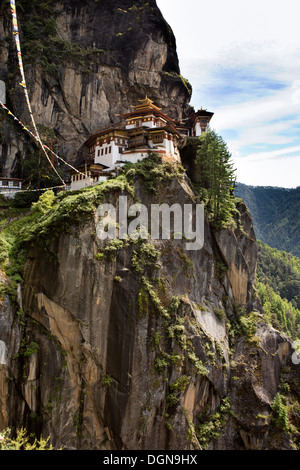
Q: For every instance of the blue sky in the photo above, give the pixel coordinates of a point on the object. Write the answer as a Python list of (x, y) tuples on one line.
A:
[(243, 61)]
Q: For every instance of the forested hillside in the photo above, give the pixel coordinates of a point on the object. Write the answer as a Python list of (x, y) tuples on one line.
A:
[(278, 286), (276, 215), (276, 220), (281, 271)]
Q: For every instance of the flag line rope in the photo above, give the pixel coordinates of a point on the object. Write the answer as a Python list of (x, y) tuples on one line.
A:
[(23, 82)]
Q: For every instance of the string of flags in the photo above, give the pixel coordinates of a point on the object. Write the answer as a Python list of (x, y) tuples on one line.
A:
[(36, 138), (91, 183), (23, 82), (9, 191)]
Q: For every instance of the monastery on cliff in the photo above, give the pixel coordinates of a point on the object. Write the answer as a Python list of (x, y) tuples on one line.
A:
[(145, 130)]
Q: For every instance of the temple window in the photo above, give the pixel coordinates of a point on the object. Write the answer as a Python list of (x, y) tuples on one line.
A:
[(157, 138)]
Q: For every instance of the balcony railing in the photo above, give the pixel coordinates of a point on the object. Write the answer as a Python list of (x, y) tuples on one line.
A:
[(138, 142)]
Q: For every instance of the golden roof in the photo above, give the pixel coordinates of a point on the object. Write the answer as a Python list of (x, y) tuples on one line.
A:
[(146, 103)]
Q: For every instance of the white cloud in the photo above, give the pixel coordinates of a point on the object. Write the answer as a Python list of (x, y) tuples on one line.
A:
[(269, 111), (242, 60), (265, 172), (255, 112), (272, 155), (296, 92), (203, 29)]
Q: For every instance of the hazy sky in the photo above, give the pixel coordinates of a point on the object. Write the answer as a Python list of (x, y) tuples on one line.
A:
[(243, 61)]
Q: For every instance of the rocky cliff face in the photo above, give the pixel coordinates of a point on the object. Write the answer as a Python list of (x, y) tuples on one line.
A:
[(86, 63), (127, 344), (144, 345)]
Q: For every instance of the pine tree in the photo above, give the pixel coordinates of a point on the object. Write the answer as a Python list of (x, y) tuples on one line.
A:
[(217, 176), (280, 413)]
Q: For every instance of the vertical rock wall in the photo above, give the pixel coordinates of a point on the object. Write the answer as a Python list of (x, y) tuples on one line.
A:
[(98, 59)]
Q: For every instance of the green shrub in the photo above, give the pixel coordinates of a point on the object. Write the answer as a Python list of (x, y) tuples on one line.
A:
[(210, 427), (44, 203), (50, 27), (220, 313), (152, 171), (31, 349), (280, 414), (23, 441), (107, 380)]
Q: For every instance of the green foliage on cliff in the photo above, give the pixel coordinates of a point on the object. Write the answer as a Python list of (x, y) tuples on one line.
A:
[(210, 426), (245, 326), (278, 272), (12, 254), (69, 208), (144, 264), (178, 77), (281, 415), (50, 216), (41, 42), (153, 171), (23, 441), (57, 51)]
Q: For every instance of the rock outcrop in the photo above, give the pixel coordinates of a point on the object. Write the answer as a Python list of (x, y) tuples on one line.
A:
[(146, 345), (89, 62)]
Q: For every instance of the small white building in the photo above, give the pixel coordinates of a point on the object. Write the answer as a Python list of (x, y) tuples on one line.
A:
[(200, 122), (88, 174), (10, 186)]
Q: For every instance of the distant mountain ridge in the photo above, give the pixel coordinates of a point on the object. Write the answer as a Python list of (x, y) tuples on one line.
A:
[(276, 215)]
